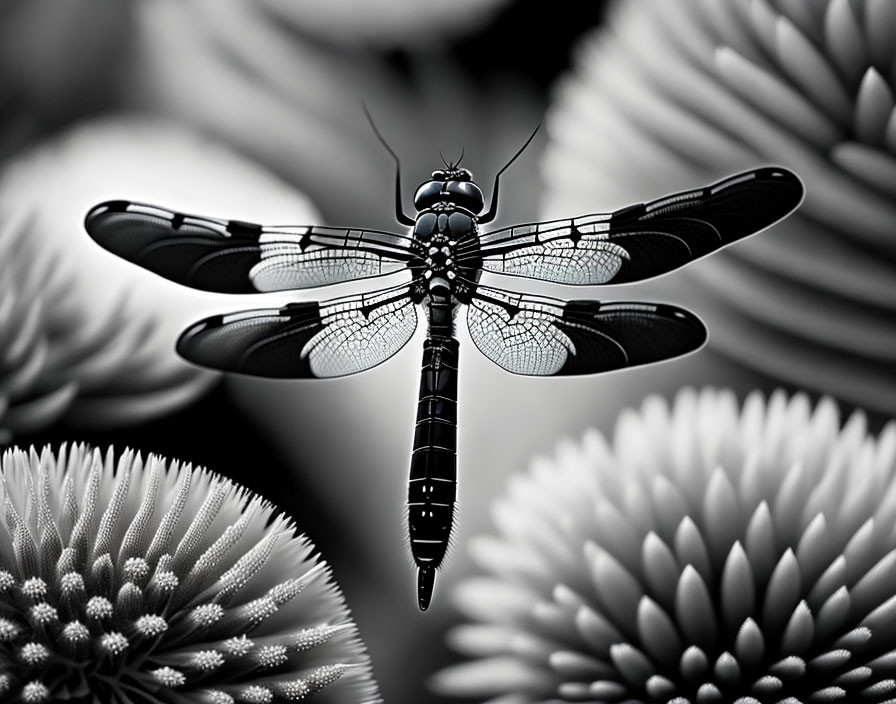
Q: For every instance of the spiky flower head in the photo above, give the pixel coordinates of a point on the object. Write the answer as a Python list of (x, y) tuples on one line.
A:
[(678, 93), (707, 553), (124, 580)]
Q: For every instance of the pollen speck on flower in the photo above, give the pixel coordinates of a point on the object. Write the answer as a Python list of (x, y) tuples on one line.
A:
[(99, 607), (71, 583), (151, 625), (34, 588), (7, 581), (271, 655), (295, 690), (35, 693), (166, 581), (114, 643), (207, 660), (258, 610), (43, 614), (207, 614), (76, 632), (238, 647), (136, 569), (34, 653), (169, 677), (310, 637), (8, 630), (257, 695), (322, 676)]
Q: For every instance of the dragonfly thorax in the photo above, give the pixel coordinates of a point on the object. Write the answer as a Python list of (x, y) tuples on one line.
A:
[(440, 258), (438, 231)]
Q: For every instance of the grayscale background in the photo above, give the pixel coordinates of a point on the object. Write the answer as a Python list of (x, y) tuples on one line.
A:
[(253, 111)]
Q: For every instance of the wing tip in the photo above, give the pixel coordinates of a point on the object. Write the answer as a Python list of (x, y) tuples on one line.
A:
[(783, 175), (687, 317), (184, 344), (101, 209), (791, 191)]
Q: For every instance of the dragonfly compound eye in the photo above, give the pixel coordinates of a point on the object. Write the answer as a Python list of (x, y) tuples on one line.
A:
[(429, 194), (466, 194)]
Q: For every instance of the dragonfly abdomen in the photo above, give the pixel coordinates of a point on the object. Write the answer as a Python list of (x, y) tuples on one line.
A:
[(433, 478)]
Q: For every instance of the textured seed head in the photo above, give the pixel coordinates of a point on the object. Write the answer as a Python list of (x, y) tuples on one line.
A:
[(709, 553), (129, 574)]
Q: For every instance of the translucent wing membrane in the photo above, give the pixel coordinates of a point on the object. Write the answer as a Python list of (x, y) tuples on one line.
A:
[(643, 240), (314, 339), (550, 337), (232, 256)]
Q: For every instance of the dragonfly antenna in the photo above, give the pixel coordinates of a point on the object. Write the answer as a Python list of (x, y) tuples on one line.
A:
[(399, 208), (459, 159), (379, 136), (520, 151), (489, 215)]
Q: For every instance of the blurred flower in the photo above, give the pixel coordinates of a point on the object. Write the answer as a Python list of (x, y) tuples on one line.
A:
[(396, 23), (235, 72), (82, 333), (124, 581), (707, 554), (677, 94), (255, 60), (56, 62), (51, 346), (284, 82)]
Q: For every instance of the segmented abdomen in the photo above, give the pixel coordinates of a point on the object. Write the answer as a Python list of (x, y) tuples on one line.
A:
[(433, 479)]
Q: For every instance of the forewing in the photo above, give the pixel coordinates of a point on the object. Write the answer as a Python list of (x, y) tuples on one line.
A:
[(232, 256), (314, 339), (645, 240), (550, 337)]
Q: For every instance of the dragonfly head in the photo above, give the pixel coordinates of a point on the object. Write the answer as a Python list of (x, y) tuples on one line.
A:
[(452, 184)]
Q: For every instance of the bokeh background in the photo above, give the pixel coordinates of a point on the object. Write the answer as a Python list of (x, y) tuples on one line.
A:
[(252, 110)]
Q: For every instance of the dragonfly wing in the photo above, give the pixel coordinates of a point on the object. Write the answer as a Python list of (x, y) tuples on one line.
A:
[(314, 339), (302, 257), (545, 336), (232, 256), (645, 240)]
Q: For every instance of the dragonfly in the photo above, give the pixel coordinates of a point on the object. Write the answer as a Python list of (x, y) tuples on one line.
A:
[(440, 255)]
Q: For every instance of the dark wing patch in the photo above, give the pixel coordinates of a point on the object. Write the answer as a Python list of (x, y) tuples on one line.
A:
[(207, 254), (315, 339), (232, 256), (549, 337), (640, 241)]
